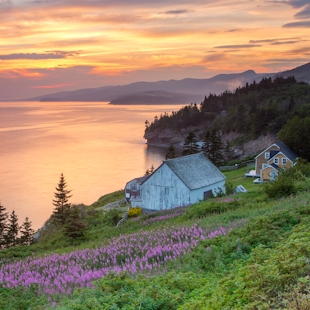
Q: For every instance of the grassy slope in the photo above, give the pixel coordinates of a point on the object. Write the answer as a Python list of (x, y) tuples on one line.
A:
[(255, 267)]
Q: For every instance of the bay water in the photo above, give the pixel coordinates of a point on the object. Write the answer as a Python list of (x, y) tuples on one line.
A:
[(97, 146)]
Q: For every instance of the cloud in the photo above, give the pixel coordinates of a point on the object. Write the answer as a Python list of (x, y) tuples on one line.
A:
[(297, 3), (214, 57), (36, 56), (176, 12), (52, 86), (302, 24), (277, 41), (304, 14), (238, 46), (234, 30)]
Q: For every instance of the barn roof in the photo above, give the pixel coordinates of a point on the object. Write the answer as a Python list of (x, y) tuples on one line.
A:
[(195, 171)]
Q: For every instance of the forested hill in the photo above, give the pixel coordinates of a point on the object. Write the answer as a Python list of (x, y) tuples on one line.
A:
[(249, 111)]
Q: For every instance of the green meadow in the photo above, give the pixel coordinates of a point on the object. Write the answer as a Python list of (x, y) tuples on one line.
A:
[(255, 256)]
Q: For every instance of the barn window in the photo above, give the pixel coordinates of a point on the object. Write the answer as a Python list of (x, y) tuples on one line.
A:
[(207, 194)]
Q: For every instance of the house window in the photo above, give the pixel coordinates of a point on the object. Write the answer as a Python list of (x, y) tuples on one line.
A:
[(276, 161), (284, 161), (267, 155), (264, 166)]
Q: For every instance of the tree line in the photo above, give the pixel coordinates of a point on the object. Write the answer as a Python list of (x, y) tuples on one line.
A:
[(252, 110), (11, 233), (212, 146)]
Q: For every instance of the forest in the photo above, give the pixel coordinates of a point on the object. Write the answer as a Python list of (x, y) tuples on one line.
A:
[(252, 110)]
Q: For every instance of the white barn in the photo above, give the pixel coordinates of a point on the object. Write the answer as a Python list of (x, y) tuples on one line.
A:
[(181, 181)]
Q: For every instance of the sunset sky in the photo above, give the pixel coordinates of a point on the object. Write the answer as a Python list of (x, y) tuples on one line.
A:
[(48, 46)]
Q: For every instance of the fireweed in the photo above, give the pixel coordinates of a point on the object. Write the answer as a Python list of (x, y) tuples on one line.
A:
[(139, 252)]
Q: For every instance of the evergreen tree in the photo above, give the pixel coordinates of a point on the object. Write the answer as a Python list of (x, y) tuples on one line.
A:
[(213, 147), (170, 153), (149, 171), (228, 153), (75, 227), (3, 225), (60, 202), (26, 232), (295, 134), (190, 145), (12, 230)]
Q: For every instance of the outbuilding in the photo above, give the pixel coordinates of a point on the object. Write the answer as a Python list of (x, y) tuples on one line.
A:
[(180, 182)]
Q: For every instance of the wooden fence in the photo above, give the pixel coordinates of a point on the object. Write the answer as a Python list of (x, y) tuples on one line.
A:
[(236, 166), (114, 205)]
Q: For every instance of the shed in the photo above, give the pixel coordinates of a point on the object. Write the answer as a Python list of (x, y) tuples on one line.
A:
[(133, 192), (181, 181)]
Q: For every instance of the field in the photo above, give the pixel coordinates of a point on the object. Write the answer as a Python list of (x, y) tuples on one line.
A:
[(244, 251)]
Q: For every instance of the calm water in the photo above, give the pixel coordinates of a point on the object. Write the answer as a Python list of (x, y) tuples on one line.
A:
[(98, 147)]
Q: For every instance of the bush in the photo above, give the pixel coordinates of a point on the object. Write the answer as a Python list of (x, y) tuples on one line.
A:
[(112, 217), (283, 186), (134, 212)]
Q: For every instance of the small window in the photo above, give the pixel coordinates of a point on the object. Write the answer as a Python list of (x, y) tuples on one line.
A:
[(276, 161), (284, 161), (267, 155), (264, 166), (207, 194)]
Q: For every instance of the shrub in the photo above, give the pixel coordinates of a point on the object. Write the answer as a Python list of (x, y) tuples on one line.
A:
[(134, 212), (283, 186), (111, 217)]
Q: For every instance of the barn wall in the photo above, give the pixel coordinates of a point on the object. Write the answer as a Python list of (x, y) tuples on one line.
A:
[(164, 190), (198, 194)]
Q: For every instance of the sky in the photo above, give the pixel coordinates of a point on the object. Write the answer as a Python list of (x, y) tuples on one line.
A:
[(48, 46)]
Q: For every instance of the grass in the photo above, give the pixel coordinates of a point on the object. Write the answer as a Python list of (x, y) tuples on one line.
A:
[(227, 272), (236, 177)]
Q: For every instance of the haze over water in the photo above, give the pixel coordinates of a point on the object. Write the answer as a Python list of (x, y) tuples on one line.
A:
[(98, 147)]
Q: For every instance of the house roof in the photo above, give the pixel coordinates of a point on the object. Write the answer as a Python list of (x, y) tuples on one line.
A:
[(286, 150), (139, 180), (195, 171), (291, 155)]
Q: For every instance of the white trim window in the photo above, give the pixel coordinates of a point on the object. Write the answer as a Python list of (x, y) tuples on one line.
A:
[(267, 155), (276, 161), (264, 166), (284, 161)]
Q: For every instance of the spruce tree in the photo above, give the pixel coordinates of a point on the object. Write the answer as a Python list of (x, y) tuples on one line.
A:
[(60, 202), (190, 145), (12, 230), (3, 225), (170, 153), (26, 232), (75, 227), (213, 147)]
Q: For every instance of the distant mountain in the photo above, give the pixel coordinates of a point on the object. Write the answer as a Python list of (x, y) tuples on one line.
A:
[(191, 89), (157, 97), (173, 91), (302, 73)]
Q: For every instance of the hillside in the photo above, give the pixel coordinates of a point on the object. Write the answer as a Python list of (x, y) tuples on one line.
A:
[(156, 97), (246, 114), (189, 86), (247, 251)]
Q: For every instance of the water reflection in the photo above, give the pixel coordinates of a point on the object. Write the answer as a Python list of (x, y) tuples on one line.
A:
[(98, 147)]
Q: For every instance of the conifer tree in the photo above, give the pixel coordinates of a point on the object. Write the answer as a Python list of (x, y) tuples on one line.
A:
[(149, 171), (26, 232), (60, 202), (170, 153), (12, 230), (3, 225), (213, 147), (75, 226), (190, 145)]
